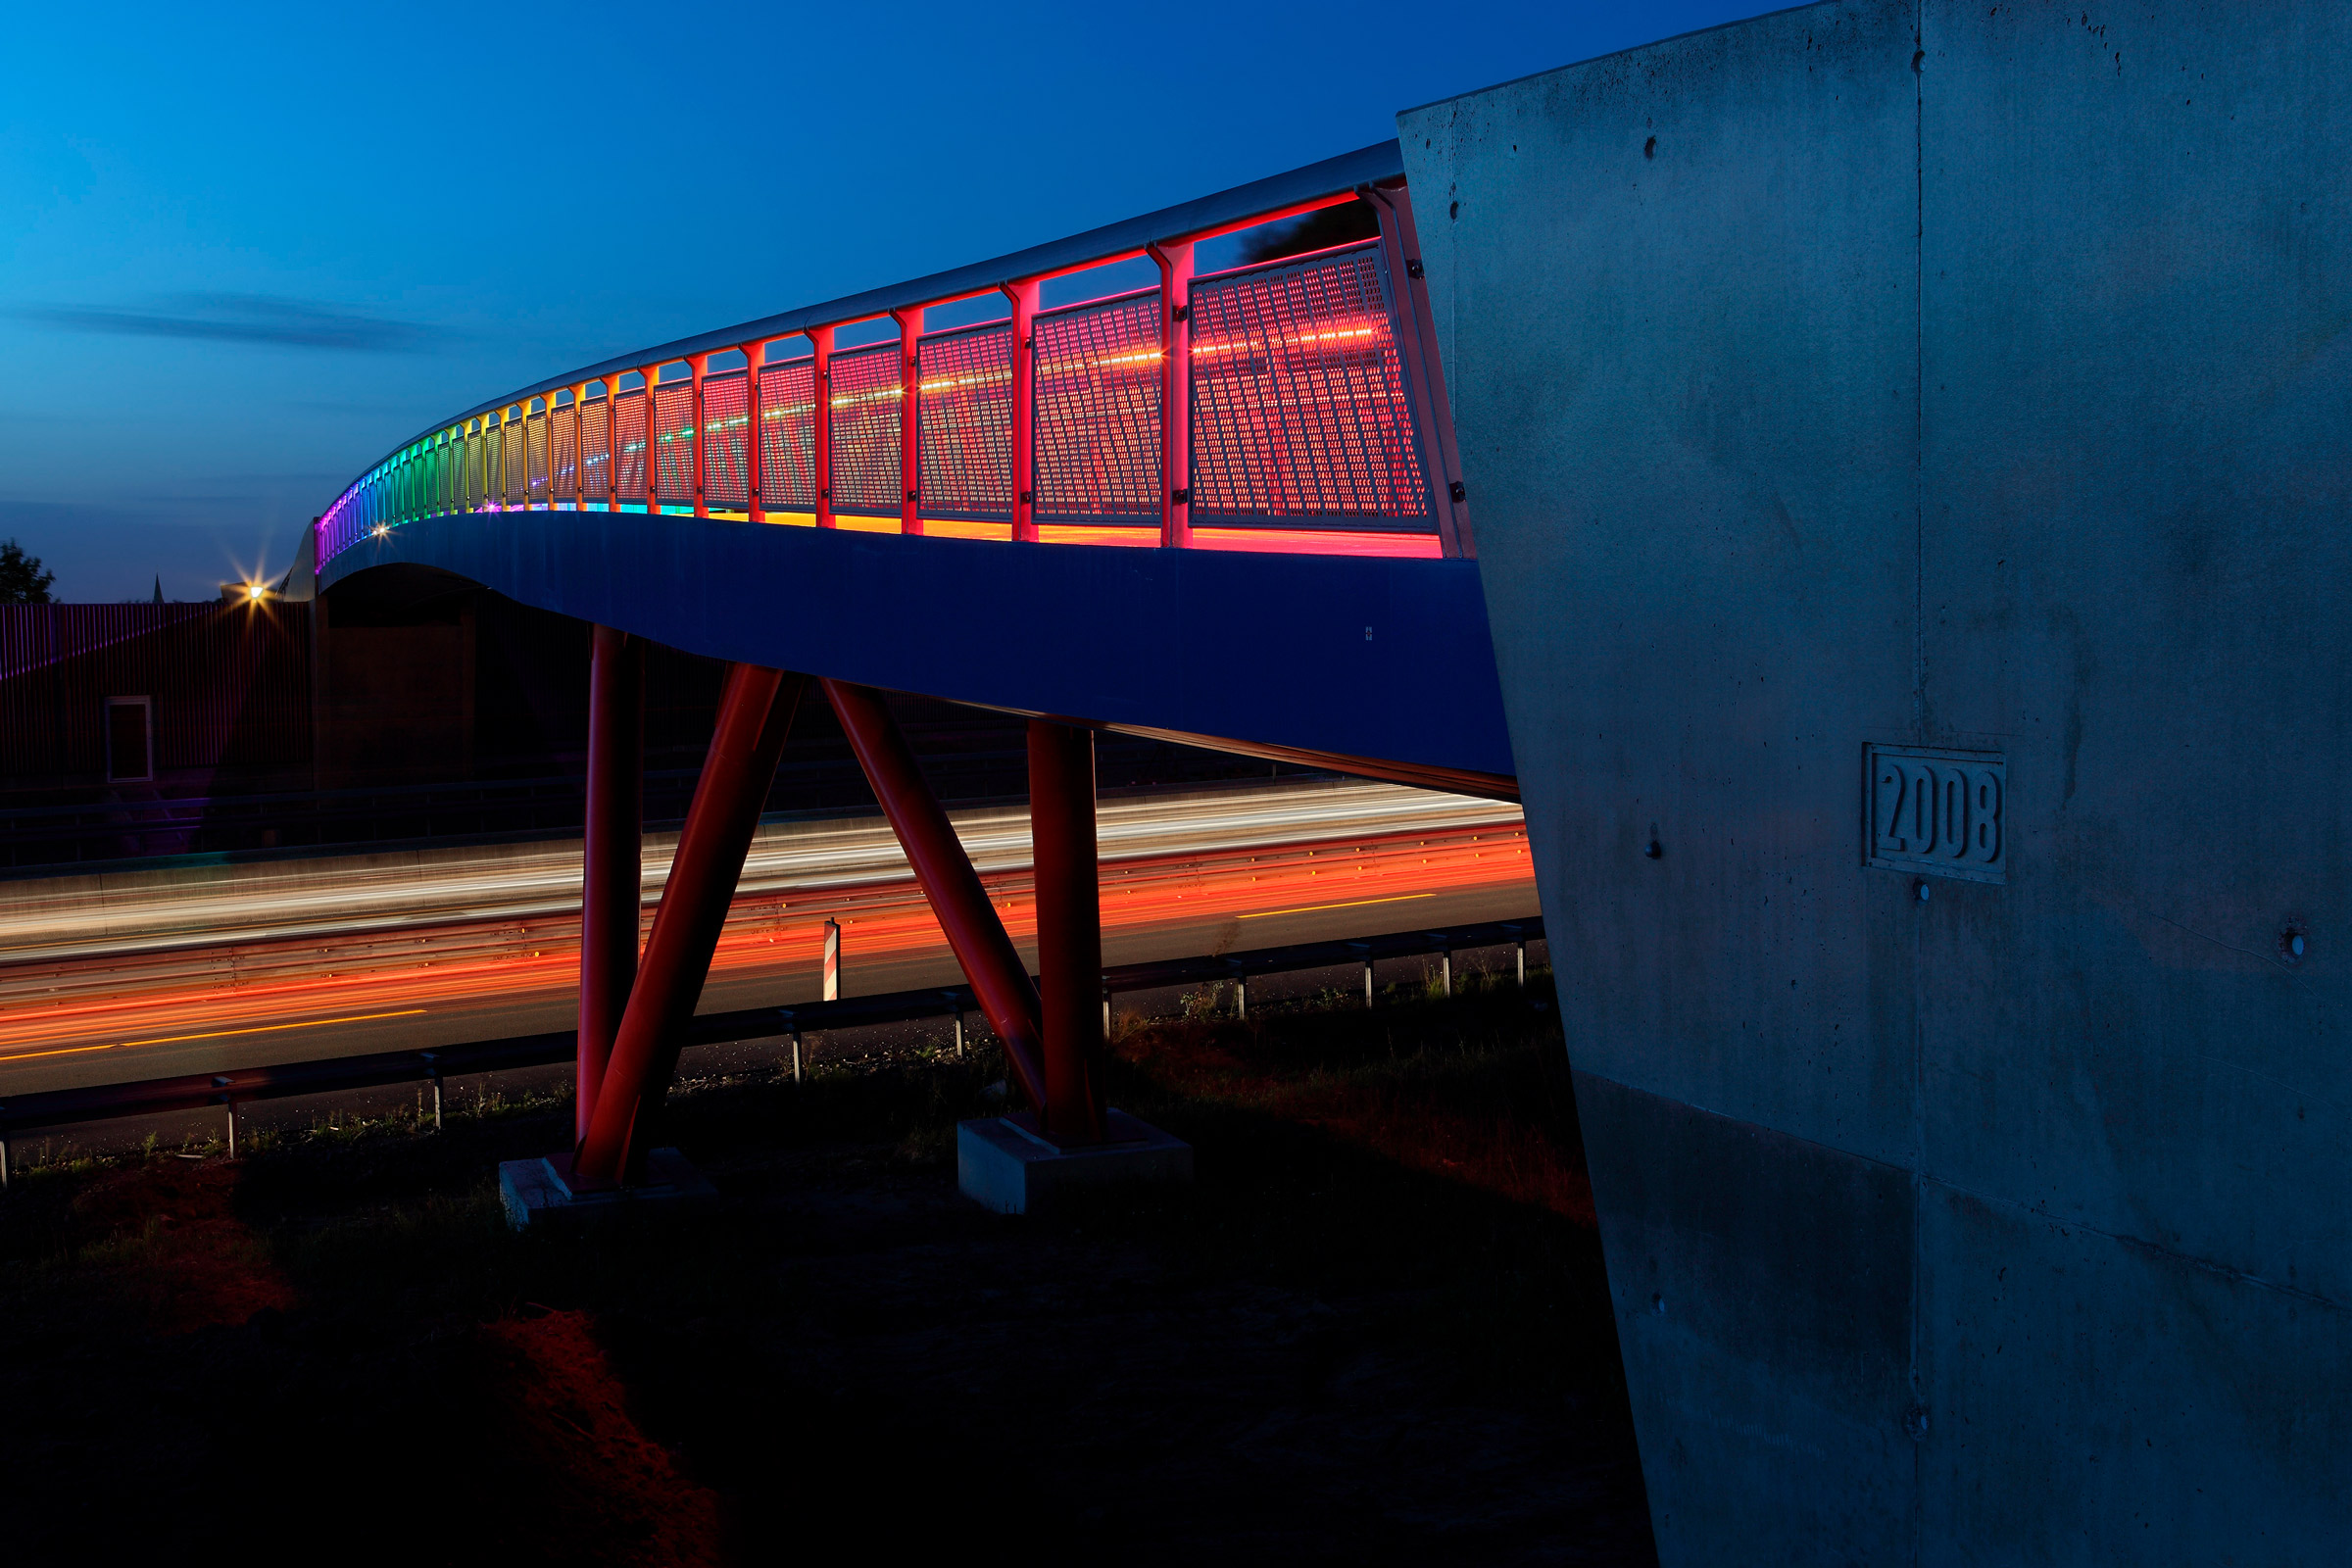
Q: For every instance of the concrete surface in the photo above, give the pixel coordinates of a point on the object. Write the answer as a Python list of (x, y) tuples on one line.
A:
[(1004, 1165), (1972, 379), (538, 1192)]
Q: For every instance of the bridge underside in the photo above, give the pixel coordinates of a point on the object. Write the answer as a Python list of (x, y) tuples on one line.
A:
[(1374, 665)]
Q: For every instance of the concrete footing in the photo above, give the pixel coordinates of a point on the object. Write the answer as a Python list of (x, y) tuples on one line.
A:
[(540, 1190), (1003, 1163)]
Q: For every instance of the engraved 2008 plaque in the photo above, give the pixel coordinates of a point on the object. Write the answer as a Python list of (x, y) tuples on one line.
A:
[(1938, 811)]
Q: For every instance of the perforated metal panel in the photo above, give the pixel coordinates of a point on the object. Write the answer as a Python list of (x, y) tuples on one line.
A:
[(628, 441), (1299, 406), (535, 448), (477, 471), (674, 435), (864, 409), (787, 437), (564, 466), (1097, 371), (516, 464), (727, 427), (963, 408), (595, 461)]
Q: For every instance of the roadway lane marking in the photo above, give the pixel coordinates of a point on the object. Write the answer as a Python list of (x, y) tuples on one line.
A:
[(214, 1034), (1352, 904)]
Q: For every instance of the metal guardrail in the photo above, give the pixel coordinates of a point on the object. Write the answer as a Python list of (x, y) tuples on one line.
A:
[(148, 1096)]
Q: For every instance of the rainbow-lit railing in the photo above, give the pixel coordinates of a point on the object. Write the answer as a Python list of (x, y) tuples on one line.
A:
[(1300, 402)]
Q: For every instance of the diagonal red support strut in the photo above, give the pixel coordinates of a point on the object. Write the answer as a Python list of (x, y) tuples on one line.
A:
[(1000, 983), (612, 869), (755, 715), (1069, 927)]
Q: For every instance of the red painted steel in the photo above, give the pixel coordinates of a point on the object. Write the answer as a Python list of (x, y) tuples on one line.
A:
[(613, 866), (1000, 983), (746, 443), (1069, 927), (1023, 296), (698, 427), (535, 456), (911, 437), (1175, 392), (821, 444), (755, 715), (653, 440)]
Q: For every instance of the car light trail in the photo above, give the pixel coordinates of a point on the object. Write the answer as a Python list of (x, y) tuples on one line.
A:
[(377, 975)]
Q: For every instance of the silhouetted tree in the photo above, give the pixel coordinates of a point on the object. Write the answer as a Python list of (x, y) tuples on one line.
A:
[(1317, 230), (21, 579)]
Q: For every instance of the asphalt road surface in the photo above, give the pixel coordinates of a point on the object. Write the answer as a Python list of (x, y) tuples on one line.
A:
[(190, 970)]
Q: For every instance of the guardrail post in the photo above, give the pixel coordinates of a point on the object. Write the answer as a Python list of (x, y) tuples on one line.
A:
[(755, 715), (1365, 948), (701, 437), (1518, 935), (613, 860), (1023, 296), (820, 339), (1000, 982), (955, 1011), (911, 426), (1069, 927), (754, 470), (1175, 261)]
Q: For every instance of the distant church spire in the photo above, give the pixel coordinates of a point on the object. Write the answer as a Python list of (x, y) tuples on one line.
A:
[(159, 588)]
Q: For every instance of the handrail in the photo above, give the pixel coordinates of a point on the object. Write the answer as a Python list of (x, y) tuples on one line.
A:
[(193, 1091), (1388, 468)]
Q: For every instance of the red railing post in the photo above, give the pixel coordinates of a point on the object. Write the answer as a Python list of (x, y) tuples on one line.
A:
[(910, 428), (1425, 372), (1175, 260), (1000, 983), (820, 340), (755, 715), (652, 441), (613, 867), (701, 456), (753, 468), (1069, 927), (1024, 410)]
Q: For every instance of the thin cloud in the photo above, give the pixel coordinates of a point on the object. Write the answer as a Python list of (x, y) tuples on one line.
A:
[(265, 318)]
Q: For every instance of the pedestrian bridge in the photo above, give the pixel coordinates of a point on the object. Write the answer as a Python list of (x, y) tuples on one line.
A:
[(1128, 478)]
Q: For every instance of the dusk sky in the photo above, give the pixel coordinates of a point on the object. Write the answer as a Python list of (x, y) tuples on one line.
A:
[(244, 251)]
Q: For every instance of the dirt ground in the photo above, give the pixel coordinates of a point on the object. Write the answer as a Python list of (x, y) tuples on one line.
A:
[(1375, 1330)]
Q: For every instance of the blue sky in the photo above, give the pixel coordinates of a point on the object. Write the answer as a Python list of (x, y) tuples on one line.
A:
[(245, 251)]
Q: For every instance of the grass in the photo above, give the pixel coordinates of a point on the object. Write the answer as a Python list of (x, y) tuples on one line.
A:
[(1376, 1328)]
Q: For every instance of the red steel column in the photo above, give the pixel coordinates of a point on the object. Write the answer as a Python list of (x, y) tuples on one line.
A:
[(820, 339), (754, 718), (1175, 391), (1024, 410), (1069, 927), (1000, 983), (612, 856), (752, 467), (911, 427)]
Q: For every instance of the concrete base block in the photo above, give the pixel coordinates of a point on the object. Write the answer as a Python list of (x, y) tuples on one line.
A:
[(1003, 1163), (540, 1190)]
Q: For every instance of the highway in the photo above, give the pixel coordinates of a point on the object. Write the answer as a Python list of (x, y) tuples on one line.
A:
[(186, 970)]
